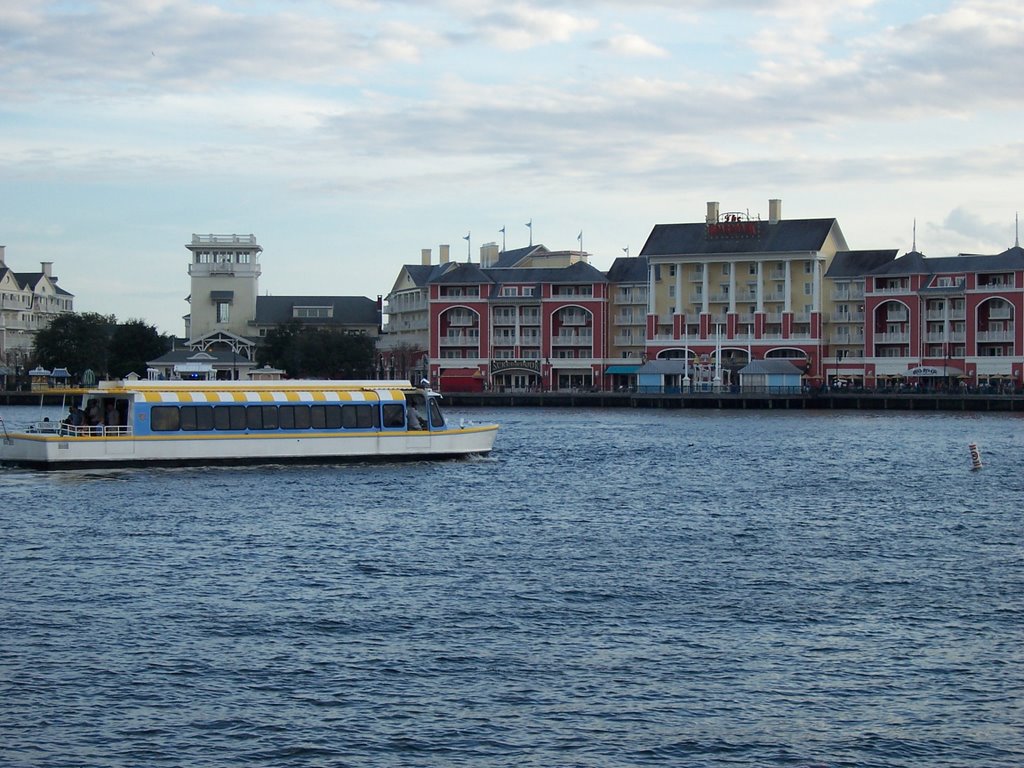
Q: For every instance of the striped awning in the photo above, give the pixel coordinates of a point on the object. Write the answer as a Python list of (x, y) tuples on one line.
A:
[(270, 396)]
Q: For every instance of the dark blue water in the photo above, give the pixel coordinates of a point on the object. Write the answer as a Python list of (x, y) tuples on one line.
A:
[(610, 588)]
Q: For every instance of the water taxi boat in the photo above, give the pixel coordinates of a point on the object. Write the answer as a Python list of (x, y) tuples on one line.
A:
[(141, 423)]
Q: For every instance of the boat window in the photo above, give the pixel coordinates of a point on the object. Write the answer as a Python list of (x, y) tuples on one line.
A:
[(229, 417), (436, 417), (301, 416), (269, 416), (394, 415), (325, 416), (358, 416), (286, 417), (196, 418), (164, 418), (254, 417), (261, 416)]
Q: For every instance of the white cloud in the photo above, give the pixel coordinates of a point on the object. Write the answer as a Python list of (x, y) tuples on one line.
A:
[(633, 45)]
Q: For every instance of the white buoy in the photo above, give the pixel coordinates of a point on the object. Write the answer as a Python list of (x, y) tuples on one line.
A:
[(975, 456)]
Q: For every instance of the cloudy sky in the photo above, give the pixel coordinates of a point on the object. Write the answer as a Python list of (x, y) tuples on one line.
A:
[(349, 134)]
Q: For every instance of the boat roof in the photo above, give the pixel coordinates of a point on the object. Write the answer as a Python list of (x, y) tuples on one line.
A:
[(275, 385)]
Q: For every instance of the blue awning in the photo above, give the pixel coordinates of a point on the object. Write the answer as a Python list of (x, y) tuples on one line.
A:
[(622, 369)]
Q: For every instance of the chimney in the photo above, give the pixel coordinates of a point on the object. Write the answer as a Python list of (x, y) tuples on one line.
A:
[(712, 216), (425, 257), (444, 253), (47, 267), (774, 211), (488, 254), (2, 249)]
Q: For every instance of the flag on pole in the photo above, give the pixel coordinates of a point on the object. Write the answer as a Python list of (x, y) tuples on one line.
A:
[(580, 236)]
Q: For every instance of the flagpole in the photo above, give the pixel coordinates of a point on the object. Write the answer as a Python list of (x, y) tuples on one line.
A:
[(469, 257), (529, 225), (502, 230)]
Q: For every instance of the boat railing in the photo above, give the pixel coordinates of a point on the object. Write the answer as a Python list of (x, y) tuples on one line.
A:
[(71, 430)]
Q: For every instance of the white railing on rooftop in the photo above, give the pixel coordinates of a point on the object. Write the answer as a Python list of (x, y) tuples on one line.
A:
[(223, 239)]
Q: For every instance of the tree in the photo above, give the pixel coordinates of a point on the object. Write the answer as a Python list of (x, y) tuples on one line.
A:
[(132, 345), (76, 342), (304, 352)]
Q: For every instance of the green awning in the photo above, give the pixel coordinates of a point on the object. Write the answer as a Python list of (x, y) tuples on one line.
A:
[(622, 369)]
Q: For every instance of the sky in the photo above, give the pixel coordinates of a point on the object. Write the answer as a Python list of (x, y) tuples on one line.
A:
[(347, 135)]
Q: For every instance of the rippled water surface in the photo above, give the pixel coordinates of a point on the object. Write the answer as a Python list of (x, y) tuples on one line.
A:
[(609, 588)]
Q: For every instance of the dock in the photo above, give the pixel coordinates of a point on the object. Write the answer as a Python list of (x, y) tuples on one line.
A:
[(874, 401)]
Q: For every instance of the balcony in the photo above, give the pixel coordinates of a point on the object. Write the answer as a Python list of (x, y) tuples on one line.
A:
[(574, 319), (460, 340), (851, 338), (631, 297), (990, 336), (850, 295), (892, 338), (847, 317), (628, 341), (939, 336), (565, 340), (400, 304), (899, 316), (461, 320)]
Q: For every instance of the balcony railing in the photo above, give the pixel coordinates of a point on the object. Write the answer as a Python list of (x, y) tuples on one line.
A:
[(852, 338), (852, 295), (892, 338), (847, 317), (572, 341), (460, 340), (987, 336)]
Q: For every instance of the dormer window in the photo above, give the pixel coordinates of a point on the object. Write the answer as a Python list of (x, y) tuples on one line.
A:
[(312, 313)]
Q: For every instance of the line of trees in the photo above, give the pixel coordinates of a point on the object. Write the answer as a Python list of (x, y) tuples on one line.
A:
[(91, 341), (112, 349), (317, 353)]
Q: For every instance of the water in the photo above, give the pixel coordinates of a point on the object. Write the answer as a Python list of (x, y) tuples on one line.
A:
[(610, 588)]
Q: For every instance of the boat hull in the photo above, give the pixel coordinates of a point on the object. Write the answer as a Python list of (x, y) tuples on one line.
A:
[(51, 451)]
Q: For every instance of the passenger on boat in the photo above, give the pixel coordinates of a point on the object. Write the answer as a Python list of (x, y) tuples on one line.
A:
[(73, 420), (415, 419)]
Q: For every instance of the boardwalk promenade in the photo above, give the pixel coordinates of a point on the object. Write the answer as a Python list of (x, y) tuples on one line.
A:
[(877, 401)]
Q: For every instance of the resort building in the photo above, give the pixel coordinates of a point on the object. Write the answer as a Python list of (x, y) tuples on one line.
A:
[(29, 301), (404, 345), (938, 322), (228, 317), (736, 288), (525, 319), (522, 327)]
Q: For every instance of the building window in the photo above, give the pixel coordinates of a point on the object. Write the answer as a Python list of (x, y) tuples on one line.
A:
[(311, 312), (223, 311), (725, 269)]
